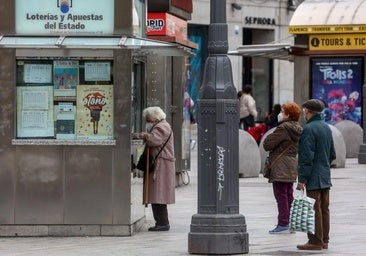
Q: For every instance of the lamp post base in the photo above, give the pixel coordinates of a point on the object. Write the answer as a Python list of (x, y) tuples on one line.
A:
[(218, 234), (362, 154)]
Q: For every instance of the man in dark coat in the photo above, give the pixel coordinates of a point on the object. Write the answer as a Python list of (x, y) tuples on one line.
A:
[(315, 154)]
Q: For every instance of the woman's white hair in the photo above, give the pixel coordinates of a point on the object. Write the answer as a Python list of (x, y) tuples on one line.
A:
[(154, 113)]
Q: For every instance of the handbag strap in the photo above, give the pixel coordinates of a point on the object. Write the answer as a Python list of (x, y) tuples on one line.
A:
[(162, 147), (283, 152)]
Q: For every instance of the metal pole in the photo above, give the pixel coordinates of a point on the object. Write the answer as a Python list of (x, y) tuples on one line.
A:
[(362, 151), (146, 181), (218, 227)]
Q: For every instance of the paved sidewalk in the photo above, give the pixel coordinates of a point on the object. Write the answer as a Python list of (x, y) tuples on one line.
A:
[(257, 204)]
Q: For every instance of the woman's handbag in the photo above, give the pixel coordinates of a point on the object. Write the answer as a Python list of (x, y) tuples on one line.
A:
[(302, 213), (267, 168), (141, 164), (268, 164)]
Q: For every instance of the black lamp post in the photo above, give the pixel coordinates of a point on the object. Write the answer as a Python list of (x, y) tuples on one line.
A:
[(362, 151), (218, 227)]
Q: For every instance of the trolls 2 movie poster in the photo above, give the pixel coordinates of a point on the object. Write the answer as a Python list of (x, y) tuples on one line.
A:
[(338, 83)]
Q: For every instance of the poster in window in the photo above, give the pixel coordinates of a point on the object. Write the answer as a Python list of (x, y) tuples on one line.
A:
[(65, 120), (37, 73), (338, 82), (35, 112), (97, 71), (66, 77), (94, 114)]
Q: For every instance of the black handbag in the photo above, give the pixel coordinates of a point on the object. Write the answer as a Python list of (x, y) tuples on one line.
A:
[(267, 168), (141, 164)]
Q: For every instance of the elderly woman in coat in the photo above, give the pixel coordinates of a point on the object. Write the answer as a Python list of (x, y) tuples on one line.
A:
[(161, 182), (282, 145)]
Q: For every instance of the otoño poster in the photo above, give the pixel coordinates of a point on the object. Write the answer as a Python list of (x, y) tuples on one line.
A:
[(94, 117), (338, 82)]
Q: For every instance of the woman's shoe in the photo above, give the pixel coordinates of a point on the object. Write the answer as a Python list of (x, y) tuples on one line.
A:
[(160, 228), (280, 230)]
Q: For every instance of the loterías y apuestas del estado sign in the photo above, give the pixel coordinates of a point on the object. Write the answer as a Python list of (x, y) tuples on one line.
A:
[(64, 16)]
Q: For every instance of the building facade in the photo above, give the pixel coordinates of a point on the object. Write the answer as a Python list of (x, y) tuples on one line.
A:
[(251, 23), (330, 65)]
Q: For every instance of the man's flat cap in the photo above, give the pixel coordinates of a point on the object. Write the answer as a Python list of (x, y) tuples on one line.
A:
[(314, 105)]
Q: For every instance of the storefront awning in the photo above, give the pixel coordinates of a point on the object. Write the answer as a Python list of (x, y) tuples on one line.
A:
[(270, 51), (139, 46), (325, 16)]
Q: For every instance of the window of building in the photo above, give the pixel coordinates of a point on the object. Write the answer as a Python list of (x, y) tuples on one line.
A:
[(258, 71)]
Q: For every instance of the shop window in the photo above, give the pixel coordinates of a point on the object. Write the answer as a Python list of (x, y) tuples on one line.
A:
[(64, 99)]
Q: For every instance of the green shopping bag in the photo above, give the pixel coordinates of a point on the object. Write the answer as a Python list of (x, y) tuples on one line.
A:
[(302, 215)]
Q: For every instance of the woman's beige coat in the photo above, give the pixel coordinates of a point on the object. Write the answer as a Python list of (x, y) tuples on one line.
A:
[(247, 106), (162, 180)]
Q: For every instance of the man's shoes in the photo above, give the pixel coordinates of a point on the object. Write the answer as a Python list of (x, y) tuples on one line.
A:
[(160, 228), (281, 230), (309, 246), (325, 246)]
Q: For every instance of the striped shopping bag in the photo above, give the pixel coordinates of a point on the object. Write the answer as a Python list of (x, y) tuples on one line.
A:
[(302, 213)]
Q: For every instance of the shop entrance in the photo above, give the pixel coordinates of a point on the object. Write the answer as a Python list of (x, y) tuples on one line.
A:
[(258, 72)]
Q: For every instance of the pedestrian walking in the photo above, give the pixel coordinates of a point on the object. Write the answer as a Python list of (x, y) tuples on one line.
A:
[(282, 147), (248, 109), (271, 119), (160, 181), (316, 152)]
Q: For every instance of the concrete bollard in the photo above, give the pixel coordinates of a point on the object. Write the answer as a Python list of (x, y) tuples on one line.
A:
[(340, 148), (339, 145), (264, 153), (249, 156), (353, 136)]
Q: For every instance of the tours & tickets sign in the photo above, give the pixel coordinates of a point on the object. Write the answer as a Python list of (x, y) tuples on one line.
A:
[(337, 42)]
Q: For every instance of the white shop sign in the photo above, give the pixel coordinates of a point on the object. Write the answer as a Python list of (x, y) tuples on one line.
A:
[(61, 17)]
